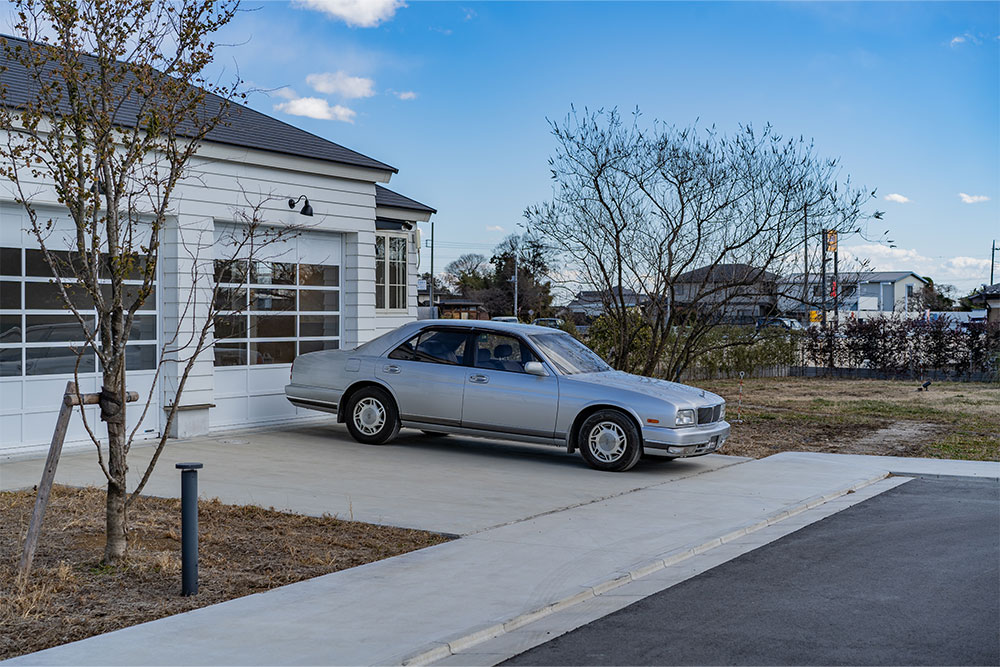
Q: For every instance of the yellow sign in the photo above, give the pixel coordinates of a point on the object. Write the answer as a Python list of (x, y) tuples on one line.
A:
[(831, 240), (814, 316)]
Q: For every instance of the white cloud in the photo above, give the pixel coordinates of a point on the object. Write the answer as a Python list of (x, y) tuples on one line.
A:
[(405, 94), (962, 271), (362, 13), (494, 228), (898, 198), (314, 107), (341, 83), (973, 199), (285, 93), (955, 41)]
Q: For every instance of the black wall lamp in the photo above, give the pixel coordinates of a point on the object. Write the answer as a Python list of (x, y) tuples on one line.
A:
[(306, 208)]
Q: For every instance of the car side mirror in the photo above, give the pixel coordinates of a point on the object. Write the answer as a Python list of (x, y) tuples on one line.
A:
[(535, 368)]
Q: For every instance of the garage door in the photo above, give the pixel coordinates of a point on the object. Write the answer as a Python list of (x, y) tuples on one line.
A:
[(41, 343), (276, 307)]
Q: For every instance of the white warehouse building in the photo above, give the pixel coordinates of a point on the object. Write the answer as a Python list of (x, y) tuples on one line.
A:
[(351, 275)]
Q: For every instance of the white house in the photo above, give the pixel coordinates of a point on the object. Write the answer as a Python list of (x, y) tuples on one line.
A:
[(349, 277), (866, 293)]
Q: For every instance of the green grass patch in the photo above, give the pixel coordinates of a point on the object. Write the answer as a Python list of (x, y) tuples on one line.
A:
[(890, 410), (967, 445)]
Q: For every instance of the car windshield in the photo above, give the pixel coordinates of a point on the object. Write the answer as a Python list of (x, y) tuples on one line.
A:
[(569, 355)]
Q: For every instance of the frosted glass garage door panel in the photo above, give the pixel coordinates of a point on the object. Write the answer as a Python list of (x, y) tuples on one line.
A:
[(10, 430), (270, 408), (269, 379), (46, 393), (10, 396), (229, 411), (37, 428), (320, 248), (230, 382)]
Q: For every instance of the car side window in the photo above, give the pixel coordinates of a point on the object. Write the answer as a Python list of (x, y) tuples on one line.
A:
[(502, 353), (434, 346)]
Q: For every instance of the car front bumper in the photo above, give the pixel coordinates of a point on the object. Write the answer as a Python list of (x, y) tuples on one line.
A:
[(687, 440)]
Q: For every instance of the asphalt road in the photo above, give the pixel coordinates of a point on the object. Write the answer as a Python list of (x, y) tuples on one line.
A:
[(910, 577)]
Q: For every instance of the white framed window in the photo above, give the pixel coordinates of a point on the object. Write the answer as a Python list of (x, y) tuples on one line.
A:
[(270, 311), (39, 335), (390, 271)]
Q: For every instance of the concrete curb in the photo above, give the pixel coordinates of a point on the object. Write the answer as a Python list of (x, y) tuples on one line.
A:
[(464, 642)]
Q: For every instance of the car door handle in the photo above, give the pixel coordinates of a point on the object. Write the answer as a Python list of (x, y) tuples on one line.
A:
[(392, 369), (479, 379)]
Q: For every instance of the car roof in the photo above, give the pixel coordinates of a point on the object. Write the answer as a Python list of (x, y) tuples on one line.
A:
[(512, 327)]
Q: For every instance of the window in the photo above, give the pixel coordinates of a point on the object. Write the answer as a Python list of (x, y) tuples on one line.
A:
[(271, 311), (502, 353), (568, 354), (390, 272), (39, 335), (436, 346)]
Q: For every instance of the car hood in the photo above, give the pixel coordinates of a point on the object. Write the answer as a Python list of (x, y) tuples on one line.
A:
[(672, 392)]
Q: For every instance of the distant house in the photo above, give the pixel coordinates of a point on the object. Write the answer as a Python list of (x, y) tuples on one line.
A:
[(865, 293), (990, 298), (735, 293), (590, 304), (461, 309)]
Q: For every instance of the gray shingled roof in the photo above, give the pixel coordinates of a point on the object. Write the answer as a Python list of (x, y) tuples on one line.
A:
[(386, 197), (725, 273), (246, 127), (855, 276)]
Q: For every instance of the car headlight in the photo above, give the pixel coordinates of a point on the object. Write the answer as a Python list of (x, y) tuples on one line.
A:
[(722, 414), (685, 417)]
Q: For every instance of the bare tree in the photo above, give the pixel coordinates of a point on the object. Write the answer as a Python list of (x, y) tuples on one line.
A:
[(466, 273), (115, 107), (633, 209)]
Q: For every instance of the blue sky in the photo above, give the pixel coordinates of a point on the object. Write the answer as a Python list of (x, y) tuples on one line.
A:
[(456, 95)]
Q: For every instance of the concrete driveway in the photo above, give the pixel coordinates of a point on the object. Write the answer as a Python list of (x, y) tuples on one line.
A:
[(446, 484)]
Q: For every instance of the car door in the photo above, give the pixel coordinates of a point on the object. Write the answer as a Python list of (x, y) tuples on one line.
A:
[(500, 395), (427, 375)]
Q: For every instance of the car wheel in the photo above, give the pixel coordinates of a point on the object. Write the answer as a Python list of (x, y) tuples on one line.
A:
[(372, 417), (609, 440), (434, 434)]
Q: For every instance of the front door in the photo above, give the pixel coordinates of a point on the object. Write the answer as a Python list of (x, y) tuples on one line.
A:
[(427, 375), (501, 396)]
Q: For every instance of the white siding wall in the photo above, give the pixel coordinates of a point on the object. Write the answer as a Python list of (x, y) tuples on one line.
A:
[(223, 180)]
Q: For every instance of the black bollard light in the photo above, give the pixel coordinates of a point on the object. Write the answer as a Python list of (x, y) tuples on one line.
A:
[(189, 527)]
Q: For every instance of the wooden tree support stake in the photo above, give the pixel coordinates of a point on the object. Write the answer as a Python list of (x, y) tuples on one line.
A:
[(70, 398)]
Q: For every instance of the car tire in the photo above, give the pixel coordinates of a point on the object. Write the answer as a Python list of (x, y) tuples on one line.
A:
[(371, 416), (609, 441), (434, 434)]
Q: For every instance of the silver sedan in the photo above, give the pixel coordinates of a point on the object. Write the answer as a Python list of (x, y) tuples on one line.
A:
[(505, 380)]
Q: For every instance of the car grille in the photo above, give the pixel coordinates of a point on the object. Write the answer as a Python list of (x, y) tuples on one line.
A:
[(710, 414)]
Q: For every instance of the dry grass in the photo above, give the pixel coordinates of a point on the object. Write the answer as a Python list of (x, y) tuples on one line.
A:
[(950, 420), (243, 550)]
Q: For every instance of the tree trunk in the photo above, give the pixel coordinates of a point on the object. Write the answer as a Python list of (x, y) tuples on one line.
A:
[(117, 541), (112, 404)]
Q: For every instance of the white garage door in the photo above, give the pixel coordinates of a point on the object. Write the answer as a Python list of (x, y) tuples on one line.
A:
[(41, 342), (279, 307)]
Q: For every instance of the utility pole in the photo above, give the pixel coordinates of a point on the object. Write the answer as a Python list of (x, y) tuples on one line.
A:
[(993, 253), (822, 280), (430, 287), (517, 249), (805, 261)]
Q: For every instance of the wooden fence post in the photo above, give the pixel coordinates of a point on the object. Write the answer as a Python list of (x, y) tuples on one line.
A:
[(45, 486), (70, 398)]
